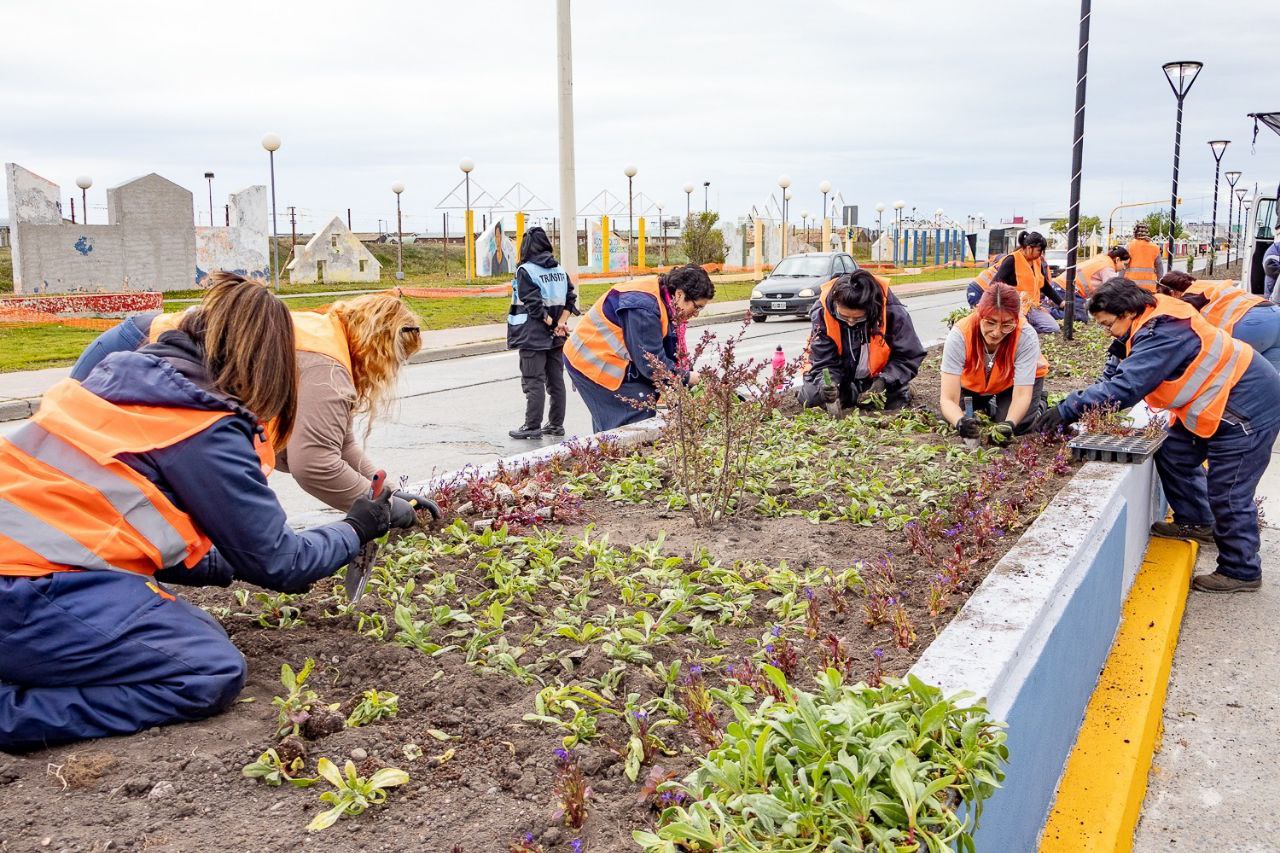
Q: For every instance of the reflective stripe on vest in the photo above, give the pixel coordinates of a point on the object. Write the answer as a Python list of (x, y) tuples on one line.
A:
[(1199, 396), (984, 278), (975, 377), (596, 348), (552, 284), (1085, 273), (1142, 263), (878, 351), (67, 502), (1228, 307)]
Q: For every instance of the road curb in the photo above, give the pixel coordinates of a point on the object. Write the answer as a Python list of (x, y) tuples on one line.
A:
[(1100, 796), (16, 410)]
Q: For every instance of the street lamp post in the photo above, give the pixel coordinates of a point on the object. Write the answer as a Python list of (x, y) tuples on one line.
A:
[(804, 218), (706, 187), (271, 142), (208, 176), (1240, 194), (630, 172), (662, 226), (1232, 177), (897, 229), (879, 219), (783, 183), (1181, 76), (469, 241), (84, 182), (824, 188), (1218, 147), (398, 188), (688, 201)]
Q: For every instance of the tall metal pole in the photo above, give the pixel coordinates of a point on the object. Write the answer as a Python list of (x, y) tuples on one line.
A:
[(398, 188), (564, 104), (705, 189), (1232, 177), (1077, 165), (208, 176), (275, 235), (1219, 147)]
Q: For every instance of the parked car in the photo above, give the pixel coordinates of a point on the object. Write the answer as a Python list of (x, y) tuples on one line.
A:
[(792, 287), (1057, 261)]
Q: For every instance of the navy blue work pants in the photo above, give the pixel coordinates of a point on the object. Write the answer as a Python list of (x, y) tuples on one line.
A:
[(610, 409), (1223, 495), (98, 653), (124, 337)]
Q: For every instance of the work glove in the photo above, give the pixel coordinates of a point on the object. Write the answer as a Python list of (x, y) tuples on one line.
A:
[(402, 512), (370, 517), (1048, 421), (830, 394), (419, 502), (1001, 433), (878, 386), (967, 426)]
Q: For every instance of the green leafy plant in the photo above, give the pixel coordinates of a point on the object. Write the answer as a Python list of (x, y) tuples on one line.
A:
[(373, 705), (850, 768), (274, 610), (956, 316), (270, 769), (296, 705), (702, 241), (353, 793)]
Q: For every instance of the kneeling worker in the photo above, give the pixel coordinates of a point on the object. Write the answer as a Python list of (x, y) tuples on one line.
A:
[(1225, 408), (1243, 316), (993, 357), (865, 338)]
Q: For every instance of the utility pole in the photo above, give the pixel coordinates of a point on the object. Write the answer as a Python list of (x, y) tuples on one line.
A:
[(226, 212), (1077, 165), (348, 219), (293, 226), (564, 110)]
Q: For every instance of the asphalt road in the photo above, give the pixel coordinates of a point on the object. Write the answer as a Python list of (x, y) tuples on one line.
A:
[(457, 412)]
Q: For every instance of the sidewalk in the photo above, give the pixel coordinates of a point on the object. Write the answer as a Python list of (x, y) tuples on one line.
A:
[(20, 391), (1213, 781)]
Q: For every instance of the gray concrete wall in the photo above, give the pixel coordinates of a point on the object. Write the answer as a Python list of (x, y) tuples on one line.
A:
[(242, 247), (67, 258), (159, 240)]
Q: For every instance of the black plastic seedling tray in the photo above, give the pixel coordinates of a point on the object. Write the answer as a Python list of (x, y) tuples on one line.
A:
[(1130, 449)]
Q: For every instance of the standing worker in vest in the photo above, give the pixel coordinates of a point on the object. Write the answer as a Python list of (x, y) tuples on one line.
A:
[(993, 358), (1092, 273), (864, 339), (1225, 408), (349, 359), (146, 474), (542, 298), (1026, 271), (1146, 260), (1243, 316), (608, 352)]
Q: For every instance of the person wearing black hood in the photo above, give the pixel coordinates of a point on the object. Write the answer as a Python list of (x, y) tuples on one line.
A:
[(542, 298)]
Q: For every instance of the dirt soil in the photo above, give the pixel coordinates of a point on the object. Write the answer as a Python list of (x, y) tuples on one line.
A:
[(180, 788)]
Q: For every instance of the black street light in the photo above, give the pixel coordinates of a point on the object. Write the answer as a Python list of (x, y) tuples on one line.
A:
[(1241, 192), (1181, 76), (1218, 147), (1232, 177), (705, 189), (1077, 168), (208, 176)]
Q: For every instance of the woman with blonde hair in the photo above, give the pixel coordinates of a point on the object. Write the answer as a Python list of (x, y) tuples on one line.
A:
[(349, 358)]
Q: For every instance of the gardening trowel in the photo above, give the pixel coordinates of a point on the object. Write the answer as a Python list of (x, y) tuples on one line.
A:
[(971, 443), (833, 409), (362, 566)]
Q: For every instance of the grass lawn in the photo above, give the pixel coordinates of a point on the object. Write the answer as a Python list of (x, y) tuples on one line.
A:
[(29, 347), (936, 275)]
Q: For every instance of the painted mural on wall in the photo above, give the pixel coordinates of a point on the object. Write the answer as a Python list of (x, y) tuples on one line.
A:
[(595, 248), (495, 251), (333, 254), (240, 247)]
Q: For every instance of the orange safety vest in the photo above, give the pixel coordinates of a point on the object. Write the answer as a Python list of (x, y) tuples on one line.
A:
[(596, 348), (878, 351), (984, 278), (1142, 264), (975, 377), (1208, 288), (1030, 280), (1085, 273), (1228, 305), (1199, 396), (68, 503)]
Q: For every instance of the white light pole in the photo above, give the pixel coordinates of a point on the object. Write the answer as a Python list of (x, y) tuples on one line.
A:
[(783, 183), (84, 182), (824, 188), (804, 218), (662, 226), (466, 165), (564, 107), (630, 172), (688, 202), (879, 219), (897, 230), (271, 142), (398, 188)]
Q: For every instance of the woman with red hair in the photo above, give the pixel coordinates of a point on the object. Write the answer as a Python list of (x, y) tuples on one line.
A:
[(993, 357)]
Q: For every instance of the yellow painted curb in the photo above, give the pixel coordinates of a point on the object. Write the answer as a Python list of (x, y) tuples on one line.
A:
[(1101, 792)]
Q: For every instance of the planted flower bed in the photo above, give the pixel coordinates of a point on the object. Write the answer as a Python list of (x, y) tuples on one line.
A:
[(549, 667)]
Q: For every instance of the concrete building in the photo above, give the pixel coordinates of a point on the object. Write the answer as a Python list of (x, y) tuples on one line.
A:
[(240, 247), (4, 233), (333, 254)]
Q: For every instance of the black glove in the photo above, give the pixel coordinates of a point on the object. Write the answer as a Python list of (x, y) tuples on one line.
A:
[(1048, 421), (1001, 433), (967, 426), (402, 512), (370, 517), (830, 394), (877, 386), (420, 501)]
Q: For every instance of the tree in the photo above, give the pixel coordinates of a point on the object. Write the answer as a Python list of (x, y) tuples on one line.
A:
[(1088, 224), (1158, 222), (702, 240)]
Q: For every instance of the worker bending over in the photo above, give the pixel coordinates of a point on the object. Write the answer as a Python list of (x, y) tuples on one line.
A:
[(143, 474), (1243, 316), (608, 352), (1146, 261), (1092, 273), (349, 359), (1224, 403), (1026, 271), (864, 338), (992, 357)]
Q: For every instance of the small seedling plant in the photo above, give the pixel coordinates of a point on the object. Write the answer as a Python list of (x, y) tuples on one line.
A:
[(352, 793), (296, 705), (374, 705)]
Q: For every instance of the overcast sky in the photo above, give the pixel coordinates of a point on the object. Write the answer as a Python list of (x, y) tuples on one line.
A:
[(965, 106)]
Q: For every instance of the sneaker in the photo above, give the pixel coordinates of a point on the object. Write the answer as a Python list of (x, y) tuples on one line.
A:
[(526, 432), (552, 430), (1218, 582), (1173, 530)]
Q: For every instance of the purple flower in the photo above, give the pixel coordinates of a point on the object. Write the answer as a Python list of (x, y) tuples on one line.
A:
[(695, 671), (528, 838), (769, 648), (776, 631), (576, 844), (879, 654), (728, 670), (642, 716), (808, 593), (562, 756)]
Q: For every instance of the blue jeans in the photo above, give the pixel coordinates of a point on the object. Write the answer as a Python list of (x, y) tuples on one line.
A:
[(98, 653), (1042, 321), (1223, 495), (972, 294), (1260, 329), (125, 337)]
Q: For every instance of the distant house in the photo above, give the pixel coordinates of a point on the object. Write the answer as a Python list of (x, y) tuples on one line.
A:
[(4, 233), (333, 254)]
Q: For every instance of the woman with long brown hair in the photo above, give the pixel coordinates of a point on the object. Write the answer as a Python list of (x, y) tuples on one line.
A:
[(349, 358), (150, 471)]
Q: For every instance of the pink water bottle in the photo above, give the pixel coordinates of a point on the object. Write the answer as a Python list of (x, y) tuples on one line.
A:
[(779, 363)]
